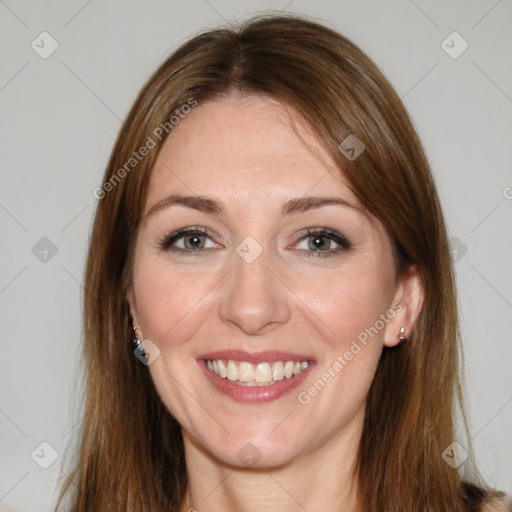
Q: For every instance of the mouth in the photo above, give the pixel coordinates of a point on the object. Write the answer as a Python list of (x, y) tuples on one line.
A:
[(251, 377), (266, 373)]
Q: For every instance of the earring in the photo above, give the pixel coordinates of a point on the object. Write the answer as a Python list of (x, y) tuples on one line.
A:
[(402, 340), (137, 345)]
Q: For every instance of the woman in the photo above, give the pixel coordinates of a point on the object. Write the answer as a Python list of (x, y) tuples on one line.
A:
[(269, 237)]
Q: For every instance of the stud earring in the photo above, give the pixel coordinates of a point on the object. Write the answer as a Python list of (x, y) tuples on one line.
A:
[(402, 340)]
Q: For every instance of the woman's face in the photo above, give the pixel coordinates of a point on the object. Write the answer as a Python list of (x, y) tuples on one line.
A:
[(265, 277)]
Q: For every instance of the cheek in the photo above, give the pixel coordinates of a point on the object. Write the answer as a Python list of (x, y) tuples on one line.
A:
[(169, 300), (344, 309), (345, 305)]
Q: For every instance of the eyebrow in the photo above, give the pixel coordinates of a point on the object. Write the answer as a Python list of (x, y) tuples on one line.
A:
[(213, 206)]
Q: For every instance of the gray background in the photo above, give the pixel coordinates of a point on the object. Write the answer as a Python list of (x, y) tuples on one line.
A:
[(60, 115)]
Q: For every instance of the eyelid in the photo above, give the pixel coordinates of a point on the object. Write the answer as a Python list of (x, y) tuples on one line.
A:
[(166, 241), (333, 235)]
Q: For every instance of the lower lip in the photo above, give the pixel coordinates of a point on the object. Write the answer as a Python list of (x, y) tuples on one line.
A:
[(254, 394)]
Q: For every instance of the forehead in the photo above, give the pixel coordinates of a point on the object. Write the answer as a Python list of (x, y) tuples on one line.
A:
[(245, 148)]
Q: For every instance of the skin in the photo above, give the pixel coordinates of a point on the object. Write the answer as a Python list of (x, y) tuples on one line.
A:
[(253, 154)]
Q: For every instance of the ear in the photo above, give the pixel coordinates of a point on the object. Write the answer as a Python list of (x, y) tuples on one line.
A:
[(130, 296), (407, 304)]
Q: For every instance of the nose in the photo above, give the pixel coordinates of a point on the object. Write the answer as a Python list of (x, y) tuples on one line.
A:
[(255, 299)]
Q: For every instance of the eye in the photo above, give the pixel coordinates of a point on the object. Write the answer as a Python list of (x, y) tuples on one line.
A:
[(188, 240), (322, 242), (316, 242)]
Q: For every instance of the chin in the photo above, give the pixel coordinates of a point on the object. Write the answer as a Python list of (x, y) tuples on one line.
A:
[(251, 454)]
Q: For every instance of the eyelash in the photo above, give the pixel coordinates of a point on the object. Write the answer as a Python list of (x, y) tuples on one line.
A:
[(167, 240)]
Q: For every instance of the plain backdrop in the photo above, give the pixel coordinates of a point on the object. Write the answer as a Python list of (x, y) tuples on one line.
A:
[(60, 114)]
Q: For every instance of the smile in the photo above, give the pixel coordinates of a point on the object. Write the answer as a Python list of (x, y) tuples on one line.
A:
[(255, 377), (244, 373)]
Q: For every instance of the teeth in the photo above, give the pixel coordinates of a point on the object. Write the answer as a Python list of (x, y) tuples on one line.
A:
[(247, 374), (232, 371), (263, 373), (278, 370), (223, 372)]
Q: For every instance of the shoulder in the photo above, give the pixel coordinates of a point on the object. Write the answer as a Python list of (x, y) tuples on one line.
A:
[(480, 498), (497, 505)]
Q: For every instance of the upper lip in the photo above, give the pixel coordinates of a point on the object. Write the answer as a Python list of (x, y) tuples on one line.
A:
[(255, 357)]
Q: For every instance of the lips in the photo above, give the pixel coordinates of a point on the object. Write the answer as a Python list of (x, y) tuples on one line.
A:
[(255, 376)]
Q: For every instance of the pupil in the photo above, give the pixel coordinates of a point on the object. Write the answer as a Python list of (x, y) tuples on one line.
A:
[(317, 242), (195, 241)]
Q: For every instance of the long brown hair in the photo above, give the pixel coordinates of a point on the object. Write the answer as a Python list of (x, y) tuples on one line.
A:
[(131, 455)]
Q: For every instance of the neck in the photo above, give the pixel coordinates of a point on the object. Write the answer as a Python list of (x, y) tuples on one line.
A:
[(321, 480)]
